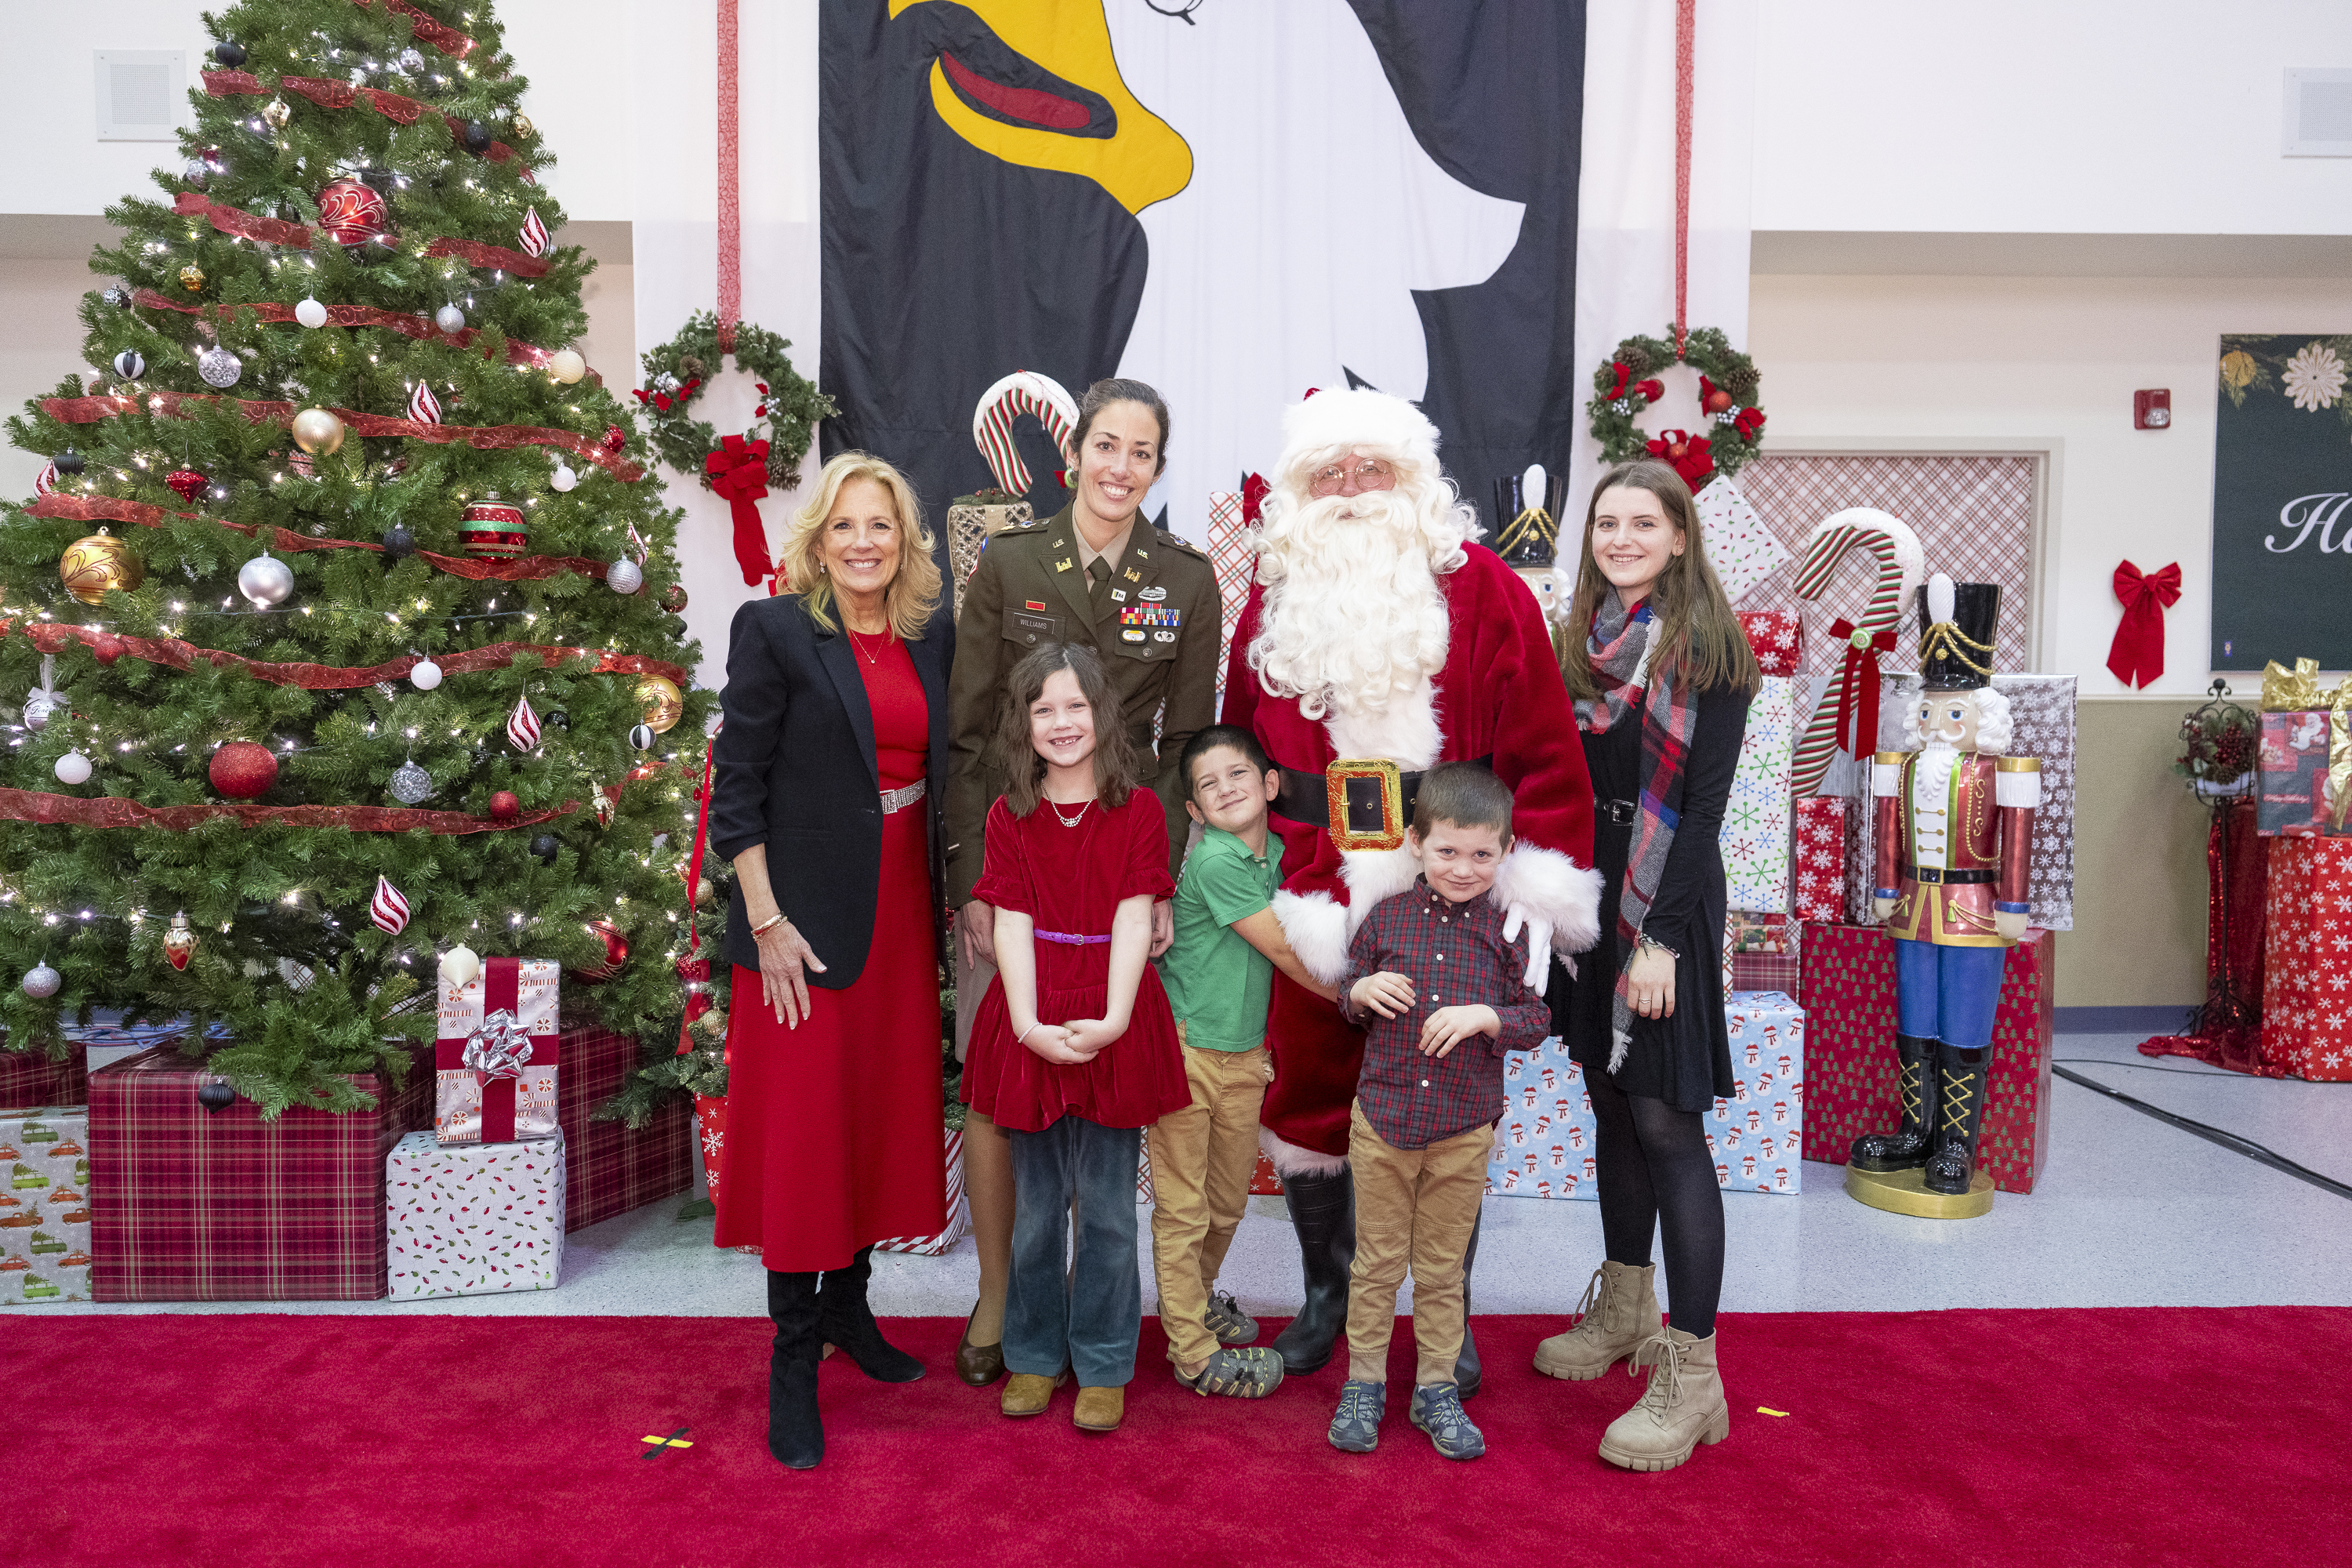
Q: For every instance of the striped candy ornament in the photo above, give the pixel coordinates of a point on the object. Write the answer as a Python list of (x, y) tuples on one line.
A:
[(1901, 564), (1022, 392), (423, 406), (388, 909), (535, 241), (522, 725), (45, 480)]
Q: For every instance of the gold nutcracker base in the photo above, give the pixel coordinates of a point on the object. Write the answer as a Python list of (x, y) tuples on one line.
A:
[(1900, 1191)]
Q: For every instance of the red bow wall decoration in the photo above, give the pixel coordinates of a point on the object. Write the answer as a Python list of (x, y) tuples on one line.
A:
[(739, 474), (1686, 453), (2136, 655), (1857, 710), (1254, 490)]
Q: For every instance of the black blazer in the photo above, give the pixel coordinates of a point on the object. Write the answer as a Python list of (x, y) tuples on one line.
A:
[(793, 769)]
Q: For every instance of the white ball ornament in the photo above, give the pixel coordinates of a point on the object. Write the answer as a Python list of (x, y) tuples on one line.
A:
[(73, 768), (311, 313), (625, 576), (265, 581), (564, 479), (449, 319), (41, 981), (425, 676), (566, 365), (460, 965)]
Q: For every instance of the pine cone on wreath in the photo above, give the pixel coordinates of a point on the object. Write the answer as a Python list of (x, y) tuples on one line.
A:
[(1635, 358), (1740, 381)]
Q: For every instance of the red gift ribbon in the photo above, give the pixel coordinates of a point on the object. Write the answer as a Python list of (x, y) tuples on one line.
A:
[(739, 475), (2136, 655), (1858, 686)]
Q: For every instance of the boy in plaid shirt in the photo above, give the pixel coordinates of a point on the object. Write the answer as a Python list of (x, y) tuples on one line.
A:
[(1441, 996)]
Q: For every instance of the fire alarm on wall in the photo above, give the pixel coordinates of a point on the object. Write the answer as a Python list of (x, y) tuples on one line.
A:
[(2152, 408)]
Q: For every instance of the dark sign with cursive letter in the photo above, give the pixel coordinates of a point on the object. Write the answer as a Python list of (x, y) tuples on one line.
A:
[(2282, 502)]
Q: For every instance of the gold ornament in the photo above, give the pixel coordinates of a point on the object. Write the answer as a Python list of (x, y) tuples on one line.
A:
[(318, 431), (179, 942), (522, 126), (276, 114), (192, 277), (90, 566), (665, 703)]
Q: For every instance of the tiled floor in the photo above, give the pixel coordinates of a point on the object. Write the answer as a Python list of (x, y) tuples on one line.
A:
[(2129, 1212)]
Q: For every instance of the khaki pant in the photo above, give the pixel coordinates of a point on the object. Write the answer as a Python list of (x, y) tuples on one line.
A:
[(1201, 1161), (1415, 1207)]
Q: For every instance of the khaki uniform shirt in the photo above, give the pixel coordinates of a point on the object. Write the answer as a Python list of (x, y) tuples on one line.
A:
[(1156, 626)]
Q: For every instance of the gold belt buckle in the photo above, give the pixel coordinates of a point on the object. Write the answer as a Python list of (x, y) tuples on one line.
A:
[(1366, 798)]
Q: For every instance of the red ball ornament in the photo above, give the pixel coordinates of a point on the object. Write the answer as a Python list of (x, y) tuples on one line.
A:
[(353, 211), (242, 770), (106, 647), (504, 807), (187, 482), (616, 952), (1717, 401), (615, 437)]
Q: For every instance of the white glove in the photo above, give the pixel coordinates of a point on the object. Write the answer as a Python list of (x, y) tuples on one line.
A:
[(1539, 944)]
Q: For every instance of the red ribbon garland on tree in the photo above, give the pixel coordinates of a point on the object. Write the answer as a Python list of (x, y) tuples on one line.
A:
[(2136, 655), (739, 475), (421, 328), (294, 236), (1858, 686), (174, 654), (113, 811)]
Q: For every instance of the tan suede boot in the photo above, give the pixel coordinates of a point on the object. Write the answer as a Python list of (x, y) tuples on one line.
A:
[(1683, 1408), (1620, 1316)]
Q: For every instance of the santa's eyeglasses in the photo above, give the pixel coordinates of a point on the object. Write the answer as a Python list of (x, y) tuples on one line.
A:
[(1370, 474)]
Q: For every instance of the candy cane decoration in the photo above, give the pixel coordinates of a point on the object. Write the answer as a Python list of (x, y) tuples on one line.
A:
[(522, 725), (388, 909), (423, 406), (1901, 564), (536, 241), (1022, 392)]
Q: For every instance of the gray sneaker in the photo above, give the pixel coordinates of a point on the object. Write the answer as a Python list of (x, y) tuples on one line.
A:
[(1356, 1427), (1225, 1319), (1437, 1410), (1244, 1373)]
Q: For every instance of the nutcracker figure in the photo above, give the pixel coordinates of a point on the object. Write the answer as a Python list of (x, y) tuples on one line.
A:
[(1955, 841)]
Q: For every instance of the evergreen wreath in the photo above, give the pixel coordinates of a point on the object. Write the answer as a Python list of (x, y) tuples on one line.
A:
[(1626, 385), (677, 372)]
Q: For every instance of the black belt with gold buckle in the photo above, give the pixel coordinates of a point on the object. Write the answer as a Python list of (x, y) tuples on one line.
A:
[(1930, 874), (1306, 797)]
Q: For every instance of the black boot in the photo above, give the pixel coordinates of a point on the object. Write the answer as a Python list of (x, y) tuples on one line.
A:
[(846, 1322), (1465, 1365), (795, 1435), (1323, 1211), (1908, 1147), (1961, 1098)]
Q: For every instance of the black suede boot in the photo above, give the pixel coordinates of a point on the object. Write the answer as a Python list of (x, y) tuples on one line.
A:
[(1465, 1365), (1962, 1075), (1323, 1211), (1908, 1147), (846, 1322), (795, 1435)]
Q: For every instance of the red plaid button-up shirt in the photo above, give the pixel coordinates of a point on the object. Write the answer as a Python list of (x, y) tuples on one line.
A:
[(1456, 956)]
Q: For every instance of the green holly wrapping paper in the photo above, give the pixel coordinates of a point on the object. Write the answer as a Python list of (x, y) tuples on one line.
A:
[(45, 1207), (473, 1219)]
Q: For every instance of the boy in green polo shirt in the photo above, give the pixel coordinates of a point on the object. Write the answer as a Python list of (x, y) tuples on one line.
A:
[(1220, 981)]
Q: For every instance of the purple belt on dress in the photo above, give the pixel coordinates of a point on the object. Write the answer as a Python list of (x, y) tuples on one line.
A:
[(1068, 941)]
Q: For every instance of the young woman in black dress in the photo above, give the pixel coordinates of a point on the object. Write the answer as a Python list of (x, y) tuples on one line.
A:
[(1661, 675)]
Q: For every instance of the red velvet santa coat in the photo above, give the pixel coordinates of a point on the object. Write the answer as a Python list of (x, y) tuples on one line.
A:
[(1499, 695)]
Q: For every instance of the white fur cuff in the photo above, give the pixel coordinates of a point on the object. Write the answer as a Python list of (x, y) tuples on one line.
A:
[(1289, 1160), (1317, 930), (1551, 887)]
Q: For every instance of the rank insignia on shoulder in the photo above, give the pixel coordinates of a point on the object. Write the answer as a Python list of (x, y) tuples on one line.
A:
[(1130, 636), (1168, 616), (1150, 596), (1064, 564), (1033, 604)]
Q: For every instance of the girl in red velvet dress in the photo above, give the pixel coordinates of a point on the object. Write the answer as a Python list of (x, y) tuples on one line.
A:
[(1074, 1051)]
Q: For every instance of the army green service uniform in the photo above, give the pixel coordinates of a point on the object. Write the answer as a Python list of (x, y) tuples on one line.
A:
[(1154, 617)]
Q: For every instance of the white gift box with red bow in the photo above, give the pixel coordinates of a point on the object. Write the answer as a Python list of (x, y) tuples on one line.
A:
[(495, 1054)]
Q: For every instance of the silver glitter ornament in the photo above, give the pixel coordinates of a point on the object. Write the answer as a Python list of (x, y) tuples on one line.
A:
[(41, 981), (449, 319), (412, 61), (219, 367), (265, 581), (410, 784), (625, 576)]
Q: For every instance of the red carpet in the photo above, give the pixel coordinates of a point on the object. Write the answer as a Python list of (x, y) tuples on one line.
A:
[(2062, 1437)]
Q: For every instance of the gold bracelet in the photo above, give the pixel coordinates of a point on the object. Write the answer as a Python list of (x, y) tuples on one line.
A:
[(765, 926)]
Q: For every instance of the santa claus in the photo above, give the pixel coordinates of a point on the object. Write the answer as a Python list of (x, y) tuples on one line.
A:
[(1377, 642)]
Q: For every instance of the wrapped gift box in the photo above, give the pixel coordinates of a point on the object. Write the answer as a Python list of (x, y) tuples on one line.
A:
[(1849, 1002), (1741, 545), (609, 1169), (32, 1078), (497, 1054), (1818, 879), (222, 1206), (971, 523), (1755, 837), (2294, 799), (1761, 952), (44, 1241), (473, 1219), (1778, 638), (2308, 973)]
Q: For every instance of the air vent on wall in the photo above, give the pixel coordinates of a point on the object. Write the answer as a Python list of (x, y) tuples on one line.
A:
[(2319, 114), (140, 93)]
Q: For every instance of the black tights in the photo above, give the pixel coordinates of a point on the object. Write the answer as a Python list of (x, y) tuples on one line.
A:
[(1652, 1165)]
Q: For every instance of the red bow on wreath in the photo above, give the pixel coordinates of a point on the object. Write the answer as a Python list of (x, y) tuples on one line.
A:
[(1858, 686), (739, 475), (2136, 655), (1686, 453), (1254, 490)]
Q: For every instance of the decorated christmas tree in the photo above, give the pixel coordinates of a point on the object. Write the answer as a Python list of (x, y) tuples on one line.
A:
[(343, 632)]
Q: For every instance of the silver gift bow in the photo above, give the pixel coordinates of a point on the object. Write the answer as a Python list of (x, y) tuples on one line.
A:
[(499, 1048)]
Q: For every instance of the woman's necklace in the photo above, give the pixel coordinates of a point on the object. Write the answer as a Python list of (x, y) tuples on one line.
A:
[(857, 641), (1071, 821)]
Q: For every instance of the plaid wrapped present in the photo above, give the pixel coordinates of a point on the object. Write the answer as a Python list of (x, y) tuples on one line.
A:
[(1817, 880), (1778, 638), (1233, 555), (497, 1055), (2307, 936), (32, 1078), (473, 1219), (1850, 1000), (44, 1249), (608, 1169), (205, 1205)]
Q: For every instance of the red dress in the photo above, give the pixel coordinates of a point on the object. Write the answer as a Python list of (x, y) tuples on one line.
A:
[(1070, 880), (833, 1132)]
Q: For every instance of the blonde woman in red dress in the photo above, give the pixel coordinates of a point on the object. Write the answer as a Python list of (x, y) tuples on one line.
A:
[(1074, 1051), (829, 776)]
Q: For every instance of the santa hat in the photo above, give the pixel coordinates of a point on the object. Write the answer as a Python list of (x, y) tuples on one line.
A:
[(1356, 419)]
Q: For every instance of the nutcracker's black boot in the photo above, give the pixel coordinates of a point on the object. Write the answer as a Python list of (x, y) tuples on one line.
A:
[(1323, 1211), (846, 1322), (795, 1435), (1961, 1075), (1465, 1365), (1908, 1147)]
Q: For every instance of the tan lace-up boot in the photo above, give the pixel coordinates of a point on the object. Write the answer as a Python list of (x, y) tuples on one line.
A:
[(1683, 1408), (1620, 1316)]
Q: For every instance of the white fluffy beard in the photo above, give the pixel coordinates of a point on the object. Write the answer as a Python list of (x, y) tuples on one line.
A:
[(1353, 617)]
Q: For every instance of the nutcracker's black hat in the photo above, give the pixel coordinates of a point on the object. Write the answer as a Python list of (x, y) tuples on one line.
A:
[(1955, 650), (1523, 539)]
